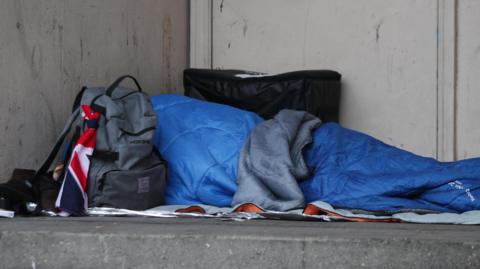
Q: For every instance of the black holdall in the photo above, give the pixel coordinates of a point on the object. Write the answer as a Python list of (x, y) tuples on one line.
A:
[(22, 190), (314, 91), (28, 192)]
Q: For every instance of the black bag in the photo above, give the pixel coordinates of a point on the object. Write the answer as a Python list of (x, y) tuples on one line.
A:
[(26, 186), (314, 91)]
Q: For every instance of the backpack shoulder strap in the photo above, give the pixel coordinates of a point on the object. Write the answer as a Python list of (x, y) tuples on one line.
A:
[(78, 99), (58, 144)]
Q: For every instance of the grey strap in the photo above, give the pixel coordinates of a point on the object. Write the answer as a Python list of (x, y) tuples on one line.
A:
[(48, 162)]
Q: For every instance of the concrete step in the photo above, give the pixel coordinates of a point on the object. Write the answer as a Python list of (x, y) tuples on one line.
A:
[(95, 242)]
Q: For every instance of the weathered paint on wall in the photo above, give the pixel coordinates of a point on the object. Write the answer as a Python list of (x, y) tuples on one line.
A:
[(385, 50), (50, 48), (468, 80)]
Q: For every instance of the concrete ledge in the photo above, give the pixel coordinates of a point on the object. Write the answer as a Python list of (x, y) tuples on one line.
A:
[(208, 243)]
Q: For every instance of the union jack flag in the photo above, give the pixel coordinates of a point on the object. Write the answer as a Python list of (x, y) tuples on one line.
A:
[(72, 198)]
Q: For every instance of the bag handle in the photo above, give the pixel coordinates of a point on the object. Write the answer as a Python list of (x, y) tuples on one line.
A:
[(118, 81)]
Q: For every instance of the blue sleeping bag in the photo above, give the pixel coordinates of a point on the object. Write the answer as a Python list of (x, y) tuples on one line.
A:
[(201, 142), (357, 171)]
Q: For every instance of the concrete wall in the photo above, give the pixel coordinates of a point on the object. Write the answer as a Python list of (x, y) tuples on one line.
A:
[(468, 79), (410, 67), (50, 48)]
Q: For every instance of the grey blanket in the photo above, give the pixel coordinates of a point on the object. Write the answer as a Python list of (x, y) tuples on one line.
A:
[(271, 162)]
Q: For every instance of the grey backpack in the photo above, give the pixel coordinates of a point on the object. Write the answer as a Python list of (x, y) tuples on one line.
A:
[(125, 170)]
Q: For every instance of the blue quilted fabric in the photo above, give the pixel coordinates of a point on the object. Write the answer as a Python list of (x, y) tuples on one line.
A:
[(357, 171), (201, 142)]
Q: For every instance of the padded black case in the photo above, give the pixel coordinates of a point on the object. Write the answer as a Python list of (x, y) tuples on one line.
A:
[(315, 91)]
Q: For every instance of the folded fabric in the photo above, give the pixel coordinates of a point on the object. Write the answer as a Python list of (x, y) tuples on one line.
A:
[(272, 161)]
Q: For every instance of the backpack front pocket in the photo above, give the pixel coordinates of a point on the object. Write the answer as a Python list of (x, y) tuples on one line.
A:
[(134, 189)]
